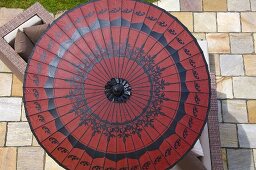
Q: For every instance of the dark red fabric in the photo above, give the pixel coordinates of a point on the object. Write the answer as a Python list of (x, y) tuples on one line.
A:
[(70, 102)]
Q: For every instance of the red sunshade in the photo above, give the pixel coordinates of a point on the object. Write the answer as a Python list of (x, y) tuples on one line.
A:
[(117, 84)]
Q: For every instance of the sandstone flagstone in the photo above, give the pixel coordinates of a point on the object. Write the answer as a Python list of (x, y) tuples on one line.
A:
[(23, 114), (251, 108), (253, 6), (246, 135), (238, 5), (10, 109), (254, 39), (219, 111), (35, 143), (2, 133), (19, 134), (8, 158), (30, 158), (230, 131), (240, 159), (215, 63), (16, 86), (250, 65), (228, 22), (241, 43), (216, 5), (224, 158), (188, 5), (218, 42), (199, 36), (169, 5), (50, 164), (231, 65), (186, 18), (7, 14), (224, 87), (248, 21), (254, 156), (234, 111), (200, 20), (244, 87), (5, 84), (3, 67)]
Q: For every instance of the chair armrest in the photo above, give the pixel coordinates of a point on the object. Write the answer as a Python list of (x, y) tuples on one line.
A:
[(213, 129), (7, 53)]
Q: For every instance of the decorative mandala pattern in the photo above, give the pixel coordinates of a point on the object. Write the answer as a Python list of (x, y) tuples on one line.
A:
[(131, 127)]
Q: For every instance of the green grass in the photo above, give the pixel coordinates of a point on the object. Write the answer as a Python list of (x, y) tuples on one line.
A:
[(51, 5)]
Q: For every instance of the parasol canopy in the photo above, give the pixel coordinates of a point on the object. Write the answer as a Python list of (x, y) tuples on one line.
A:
[(117, 84)]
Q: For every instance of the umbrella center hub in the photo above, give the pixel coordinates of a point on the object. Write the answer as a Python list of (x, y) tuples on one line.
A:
[(118, 90)]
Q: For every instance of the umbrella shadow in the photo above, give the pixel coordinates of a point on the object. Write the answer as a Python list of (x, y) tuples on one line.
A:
[(236, 158), (233, 136)]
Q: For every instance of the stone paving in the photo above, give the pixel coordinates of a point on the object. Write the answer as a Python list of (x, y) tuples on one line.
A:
[(229, 26)]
